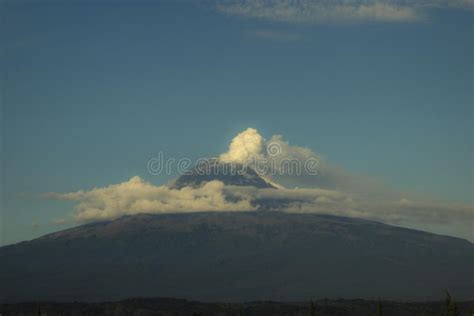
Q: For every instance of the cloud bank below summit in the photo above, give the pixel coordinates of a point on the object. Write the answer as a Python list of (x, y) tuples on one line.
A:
[(137, 196), (333, 191)]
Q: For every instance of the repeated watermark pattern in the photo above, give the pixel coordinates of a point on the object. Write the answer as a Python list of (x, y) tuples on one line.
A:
[(273, 164)]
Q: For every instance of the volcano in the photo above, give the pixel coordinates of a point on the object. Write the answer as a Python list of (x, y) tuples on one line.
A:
[(228, 173), (267, 254), (236, 256)]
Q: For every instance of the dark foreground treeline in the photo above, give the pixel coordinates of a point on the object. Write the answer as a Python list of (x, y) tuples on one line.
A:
[(169, 306)]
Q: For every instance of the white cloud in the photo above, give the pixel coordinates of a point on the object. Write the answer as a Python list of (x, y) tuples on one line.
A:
[(137, 196), (306, 11), (402, 211), (463, 4), (336, 11)]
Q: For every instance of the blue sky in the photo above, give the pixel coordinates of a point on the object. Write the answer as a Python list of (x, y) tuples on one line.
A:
[(91, 91)]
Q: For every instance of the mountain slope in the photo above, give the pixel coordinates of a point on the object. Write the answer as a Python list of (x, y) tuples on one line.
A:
[(234, 257), (229, 174)]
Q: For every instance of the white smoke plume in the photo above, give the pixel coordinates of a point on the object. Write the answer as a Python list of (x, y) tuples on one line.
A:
[(244, 147), (280, 160)]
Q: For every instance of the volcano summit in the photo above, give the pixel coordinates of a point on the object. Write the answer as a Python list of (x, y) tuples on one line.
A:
[(228, 173)]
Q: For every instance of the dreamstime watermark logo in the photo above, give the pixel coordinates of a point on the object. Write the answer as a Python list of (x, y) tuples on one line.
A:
[(274, 149), (273, 163)]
